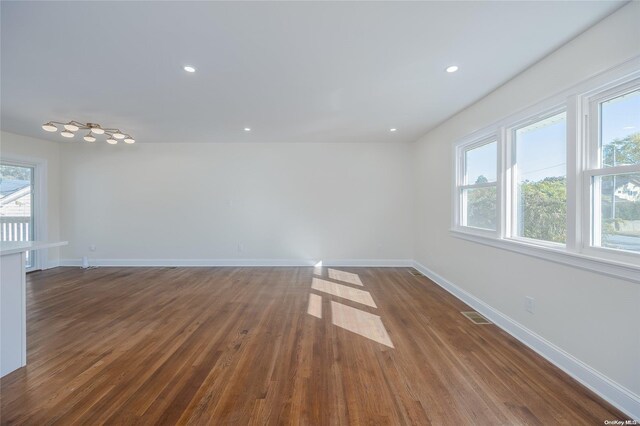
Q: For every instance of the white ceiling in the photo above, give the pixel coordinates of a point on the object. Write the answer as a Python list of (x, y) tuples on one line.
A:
[(292, 71)]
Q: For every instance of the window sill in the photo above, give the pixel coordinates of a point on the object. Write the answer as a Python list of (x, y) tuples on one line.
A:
[(626, 271)]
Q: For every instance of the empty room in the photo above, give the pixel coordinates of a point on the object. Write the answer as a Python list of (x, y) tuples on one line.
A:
[(320, 212)]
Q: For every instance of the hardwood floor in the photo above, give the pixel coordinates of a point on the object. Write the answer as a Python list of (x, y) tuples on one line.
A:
[(251, 346)]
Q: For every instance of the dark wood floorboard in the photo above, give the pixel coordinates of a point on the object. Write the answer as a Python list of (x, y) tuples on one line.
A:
[(245, 346)]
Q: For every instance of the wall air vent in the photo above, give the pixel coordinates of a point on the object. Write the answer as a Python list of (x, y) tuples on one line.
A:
[(476, 318)]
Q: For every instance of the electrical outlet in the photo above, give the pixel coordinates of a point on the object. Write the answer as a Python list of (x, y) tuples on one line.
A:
[(529, 304)]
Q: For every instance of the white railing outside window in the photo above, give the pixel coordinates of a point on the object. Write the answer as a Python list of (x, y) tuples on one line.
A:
[(15, 228)]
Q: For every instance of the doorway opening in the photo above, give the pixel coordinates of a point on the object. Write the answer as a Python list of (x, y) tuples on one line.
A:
[(19, 206)]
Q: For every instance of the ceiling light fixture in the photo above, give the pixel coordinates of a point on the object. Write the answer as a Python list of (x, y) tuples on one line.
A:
[(452, 68), (94, 129), (247, 129), (393, 129), (49, 127), (189, 68)]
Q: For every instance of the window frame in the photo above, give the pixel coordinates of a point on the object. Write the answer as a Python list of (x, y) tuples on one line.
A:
[(39, 200), (578, 103), (593, 169), (461, 186), (510, 131)]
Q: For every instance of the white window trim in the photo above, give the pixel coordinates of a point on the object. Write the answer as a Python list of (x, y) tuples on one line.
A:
[(612, 268), (592, 168), (40, 199), (511, 186), (577, 251), (462, 185)]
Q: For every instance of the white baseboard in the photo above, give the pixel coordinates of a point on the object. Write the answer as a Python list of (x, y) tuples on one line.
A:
[(609, 390), (51, 264), (617, 395), (240, 262)]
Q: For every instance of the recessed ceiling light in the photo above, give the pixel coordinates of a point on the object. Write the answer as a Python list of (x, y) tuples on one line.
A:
[(452, 68), (393, 129), (247, 129), (189, 68)]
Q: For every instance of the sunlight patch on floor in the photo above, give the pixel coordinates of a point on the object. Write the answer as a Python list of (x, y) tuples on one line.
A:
[(346, 317), (360, 322), (315, 305), (347, 277), (343, 291)]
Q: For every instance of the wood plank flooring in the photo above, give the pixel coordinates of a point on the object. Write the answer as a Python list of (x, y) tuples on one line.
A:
[(250, 346)]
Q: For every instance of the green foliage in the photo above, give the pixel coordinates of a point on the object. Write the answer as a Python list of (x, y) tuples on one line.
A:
[(481, 208), (543, 204), (619, 152), (622, 151), (15, 173), (628, 210), (544, 209)]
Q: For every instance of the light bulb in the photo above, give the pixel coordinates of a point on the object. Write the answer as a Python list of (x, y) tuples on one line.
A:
[(66, 134), (89, 138), (112, 141), (452, 68), (189, 68), (71, 127), (118, 135), (49, 127), (97, 130), (129, 140)]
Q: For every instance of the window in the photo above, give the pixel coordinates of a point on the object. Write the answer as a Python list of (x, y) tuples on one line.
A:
[(559, 180), (540, 172), (478, 192), (620, 130), (615, 173), (16, 206)]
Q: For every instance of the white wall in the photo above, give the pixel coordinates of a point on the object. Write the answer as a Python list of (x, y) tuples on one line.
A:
[(590, 316), (11, 145), (182, 201), (296, 202)]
